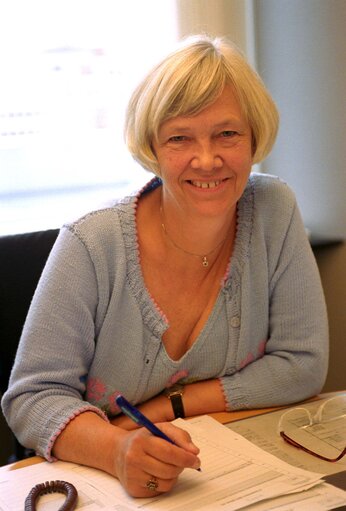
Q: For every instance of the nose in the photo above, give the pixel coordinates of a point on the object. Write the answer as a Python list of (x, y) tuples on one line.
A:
[(205, 157)]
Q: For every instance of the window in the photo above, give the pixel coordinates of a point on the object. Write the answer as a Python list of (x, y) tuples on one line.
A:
[(67, 69)]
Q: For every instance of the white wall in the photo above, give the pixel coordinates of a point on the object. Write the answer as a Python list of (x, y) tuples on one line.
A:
[(299, 48), (301, 55), (231, 18)]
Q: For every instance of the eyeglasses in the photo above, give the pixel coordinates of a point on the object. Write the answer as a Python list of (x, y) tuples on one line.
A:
[(322, 434)]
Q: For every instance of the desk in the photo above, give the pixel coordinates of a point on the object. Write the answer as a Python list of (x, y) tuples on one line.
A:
[(261, 431), (264, 477)]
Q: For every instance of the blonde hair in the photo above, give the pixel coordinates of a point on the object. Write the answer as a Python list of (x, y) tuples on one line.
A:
[(187, 81)]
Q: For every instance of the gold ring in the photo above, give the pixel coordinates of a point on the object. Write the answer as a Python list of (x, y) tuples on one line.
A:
[(152, 484)]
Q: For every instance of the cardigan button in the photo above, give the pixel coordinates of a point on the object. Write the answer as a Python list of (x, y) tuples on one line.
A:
[(235, 322)]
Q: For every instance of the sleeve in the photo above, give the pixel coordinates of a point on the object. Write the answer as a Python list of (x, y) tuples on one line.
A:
[(56, 349), (294, 360)]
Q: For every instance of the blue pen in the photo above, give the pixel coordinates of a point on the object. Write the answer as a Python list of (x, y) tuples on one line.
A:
[(134, 414), (137, 417)]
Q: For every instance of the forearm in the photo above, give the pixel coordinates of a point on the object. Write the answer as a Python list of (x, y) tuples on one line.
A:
[(273, 380), (199, 398), (89, 440), (202, 397)]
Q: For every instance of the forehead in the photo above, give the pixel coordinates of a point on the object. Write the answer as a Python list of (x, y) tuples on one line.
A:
[(225, 109)]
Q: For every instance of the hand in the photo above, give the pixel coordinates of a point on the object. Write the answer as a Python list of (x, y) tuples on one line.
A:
[(141, 456)]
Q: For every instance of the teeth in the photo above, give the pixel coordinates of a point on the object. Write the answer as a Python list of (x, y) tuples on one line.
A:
[(203, 184)]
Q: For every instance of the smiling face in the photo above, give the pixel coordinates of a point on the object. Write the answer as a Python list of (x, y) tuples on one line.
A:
[(205, 160)]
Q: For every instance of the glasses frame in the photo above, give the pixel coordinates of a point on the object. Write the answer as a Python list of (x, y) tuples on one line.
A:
[(317, 418), (290, 441)]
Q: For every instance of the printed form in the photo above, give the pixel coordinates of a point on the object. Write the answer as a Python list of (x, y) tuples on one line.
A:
[(235, 474)]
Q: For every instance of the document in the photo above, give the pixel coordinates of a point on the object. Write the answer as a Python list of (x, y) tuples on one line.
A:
[(235, 474), (318, 498)]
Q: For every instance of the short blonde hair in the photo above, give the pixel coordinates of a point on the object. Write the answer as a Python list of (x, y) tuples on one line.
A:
[(187, 81)]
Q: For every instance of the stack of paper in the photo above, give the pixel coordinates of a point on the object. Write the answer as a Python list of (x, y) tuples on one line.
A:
[(235, 475)]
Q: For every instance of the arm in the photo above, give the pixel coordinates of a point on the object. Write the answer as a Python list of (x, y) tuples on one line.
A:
[(292, 361), (199, 398), (44, 403), (56, 348)]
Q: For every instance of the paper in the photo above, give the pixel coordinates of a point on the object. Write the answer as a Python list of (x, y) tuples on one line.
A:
[(320, 498), (235, 474)]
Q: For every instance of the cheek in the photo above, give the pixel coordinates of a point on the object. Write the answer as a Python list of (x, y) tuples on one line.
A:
[(243, 159), (173, 165), (240, 163)]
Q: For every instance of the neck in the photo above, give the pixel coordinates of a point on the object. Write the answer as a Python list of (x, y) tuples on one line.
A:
[(199, 238)]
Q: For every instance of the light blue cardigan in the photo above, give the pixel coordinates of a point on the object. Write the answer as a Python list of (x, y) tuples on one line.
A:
[(93, 329)]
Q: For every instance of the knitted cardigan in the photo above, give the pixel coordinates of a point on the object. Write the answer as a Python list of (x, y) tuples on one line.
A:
[(93, 330)]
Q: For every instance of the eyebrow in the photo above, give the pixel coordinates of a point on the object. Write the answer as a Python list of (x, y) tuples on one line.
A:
[(226, 122), (231, 120)]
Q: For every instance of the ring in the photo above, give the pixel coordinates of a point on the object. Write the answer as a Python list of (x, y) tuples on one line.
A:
[(152, 484)]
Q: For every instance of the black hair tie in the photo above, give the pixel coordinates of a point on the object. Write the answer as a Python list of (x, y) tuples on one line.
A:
[(52, 487)]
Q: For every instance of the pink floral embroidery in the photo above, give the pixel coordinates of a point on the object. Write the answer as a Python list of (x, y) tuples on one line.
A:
[(261, 348), (113, 408), (250, 357), (179, 375), (95, 389)]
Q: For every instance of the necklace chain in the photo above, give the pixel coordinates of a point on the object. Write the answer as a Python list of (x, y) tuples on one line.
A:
[(204, 257)]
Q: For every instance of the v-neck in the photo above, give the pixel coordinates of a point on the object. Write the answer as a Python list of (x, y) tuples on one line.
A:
[(153, 317)]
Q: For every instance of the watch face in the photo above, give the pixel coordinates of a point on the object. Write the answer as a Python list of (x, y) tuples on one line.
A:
[(175, 393), (178, 388)]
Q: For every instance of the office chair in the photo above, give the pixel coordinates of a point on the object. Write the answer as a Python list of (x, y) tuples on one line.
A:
[(22, 258)]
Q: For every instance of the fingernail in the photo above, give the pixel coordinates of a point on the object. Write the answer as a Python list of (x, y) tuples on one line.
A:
[(197, 466), (194, 447)]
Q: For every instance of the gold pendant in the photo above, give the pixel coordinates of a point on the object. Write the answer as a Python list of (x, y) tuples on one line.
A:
[(205, 262)]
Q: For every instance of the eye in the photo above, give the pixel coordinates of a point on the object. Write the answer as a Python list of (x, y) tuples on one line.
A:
[(177, 138), (227, 134)]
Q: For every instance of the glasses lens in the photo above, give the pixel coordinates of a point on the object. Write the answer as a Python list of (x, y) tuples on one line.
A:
[(331, 430), (294, 422)]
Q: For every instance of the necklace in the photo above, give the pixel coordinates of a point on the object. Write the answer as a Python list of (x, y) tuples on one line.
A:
[(204, 257)]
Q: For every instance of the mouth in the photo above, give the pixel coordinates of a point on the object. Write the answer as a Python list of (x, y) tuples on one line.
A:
[(206, 184)]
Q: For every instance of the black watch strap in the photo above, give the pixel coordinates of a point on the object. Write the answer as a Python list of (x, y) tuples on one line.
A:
[(175, 394), (177, 405)]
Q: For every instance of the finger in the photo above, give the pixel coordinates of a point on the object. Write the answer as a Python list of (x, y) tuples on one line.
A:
[(161, 469), (169, 457), (156, 485), (143, 452), (142, 456), (180, 437), (148, 485)]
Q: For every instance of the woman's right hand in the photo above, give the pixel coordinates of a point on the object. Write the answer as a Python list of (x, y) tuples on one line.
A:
[(134, 457), (140, 457)]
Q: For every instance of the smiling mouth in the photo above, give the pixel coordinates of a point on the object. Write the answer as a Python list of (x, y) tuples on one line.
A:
[(206, 184)]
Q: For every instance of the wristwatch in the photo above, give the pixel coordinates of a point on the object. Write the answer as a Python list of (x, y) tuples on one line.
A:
[(175, 394)]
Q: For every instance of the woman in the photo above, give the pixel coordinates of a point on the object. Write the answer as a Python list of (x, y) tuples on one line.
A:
[(205, 278)]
